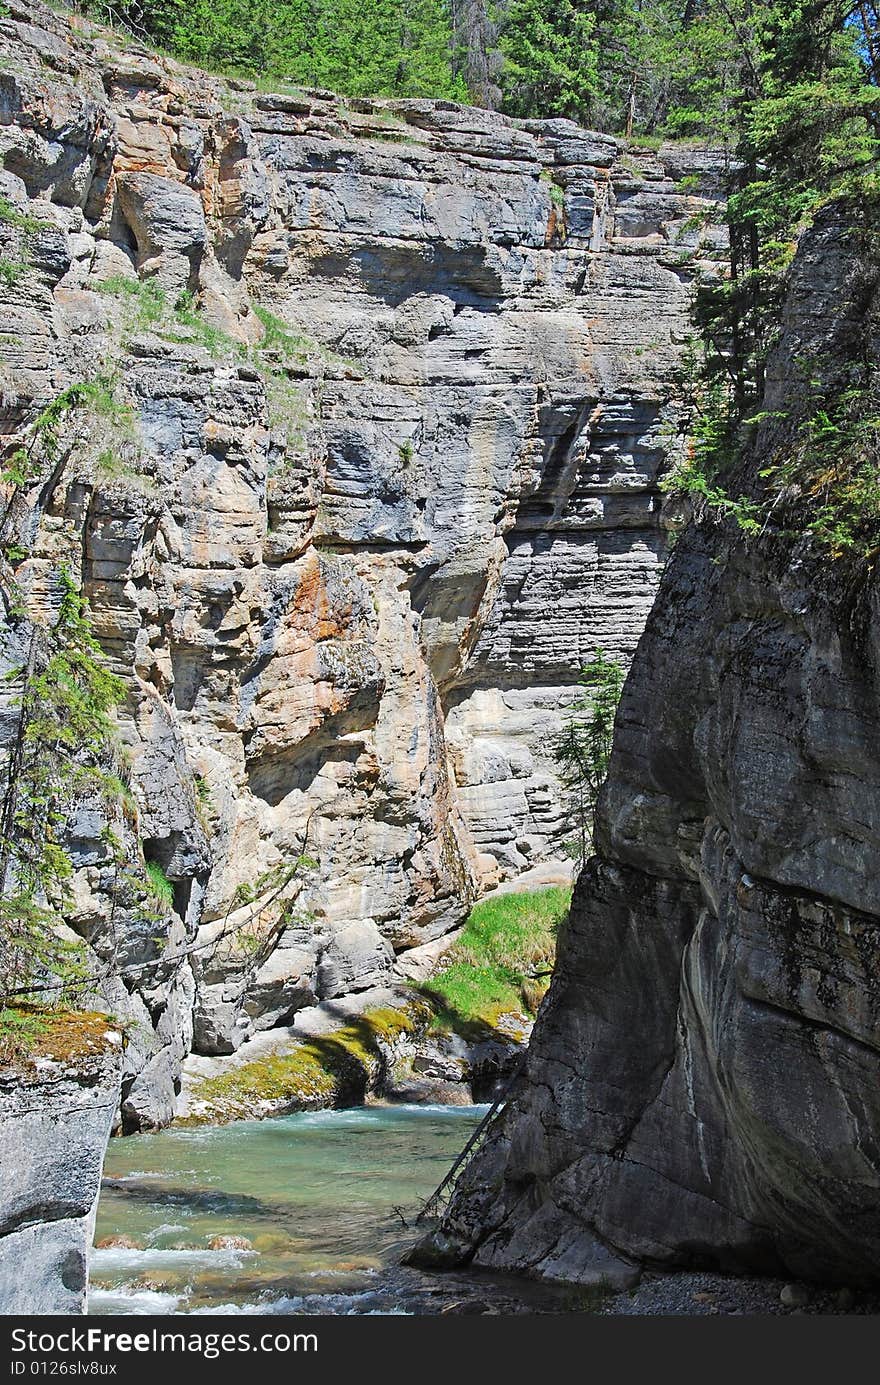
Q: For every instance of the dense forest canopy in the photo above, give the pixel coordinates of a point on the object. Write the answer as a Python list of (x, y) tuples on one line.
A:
[(676, 67)]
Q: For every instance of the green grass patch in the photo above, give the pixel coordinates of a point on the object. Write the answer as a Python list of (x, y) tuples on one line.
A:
[(203, 333), (557, 193), (290, 347), (278, 337), (145, 296), (20, 1031), (22, 221), (12, 271), (501, 964), (150, 307), (160, 886), (182, 321), (648, 142)]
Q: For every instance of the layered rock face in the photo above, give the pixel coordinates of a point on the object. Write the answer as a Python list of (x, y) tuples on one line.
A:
[(702, 1084), (55, 1119), (395, 377)]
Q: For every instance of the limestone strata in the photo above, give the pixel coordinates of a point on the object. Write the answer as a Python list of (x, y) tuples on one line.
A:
[(702, 1084), (355, 553)]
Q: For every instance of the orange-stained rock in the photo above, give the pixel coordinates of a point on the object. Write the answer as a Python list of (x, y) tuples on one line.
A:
[(379, 474)]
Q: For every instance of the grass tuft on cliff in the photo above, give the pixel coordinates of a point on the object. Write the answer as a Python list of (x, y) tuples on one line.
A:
[(159, 885), (501, 964)]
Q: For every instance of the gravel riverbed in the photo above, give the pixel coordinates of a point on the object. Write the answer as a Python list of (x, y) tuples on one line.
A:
[(703, 1294)]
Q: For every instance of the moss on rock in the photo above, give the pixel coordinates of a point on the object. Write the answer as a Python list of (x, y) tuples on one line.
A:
[(334, 1069), (28, 1033)]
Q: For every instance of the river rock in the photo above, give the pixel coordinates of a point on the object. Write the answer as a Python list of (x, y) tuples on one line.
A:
[(794, 1295)]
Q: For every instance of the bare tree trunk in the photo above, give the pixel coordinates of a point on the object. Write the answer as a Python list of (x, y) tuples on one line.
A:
[(868, 15), (474, 55), (631, 104)]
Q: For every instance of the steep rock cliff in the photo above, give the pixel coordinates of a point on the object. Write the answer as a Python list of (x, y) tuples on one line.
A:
[(388, 387), (55, 1118), (702, 1083)]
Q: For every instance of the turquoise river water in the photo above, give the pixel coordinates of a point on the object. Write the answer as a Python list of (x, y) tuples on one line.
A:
[(325, 1200)]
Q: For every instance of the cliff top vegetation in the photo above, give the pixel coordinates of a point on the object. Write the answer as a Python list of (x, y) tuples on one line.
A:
[(667, 68), (787, 91)]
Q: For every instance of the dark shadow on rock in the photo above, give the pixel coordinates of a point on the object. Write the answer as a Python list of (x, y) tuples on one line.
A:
[(194, 1199)]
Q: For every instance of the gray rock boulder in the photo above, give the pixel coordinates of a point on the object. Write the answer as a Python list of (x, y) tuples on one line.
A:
[(168, 223), (356, 959), (55, 1118), (149, 1102)]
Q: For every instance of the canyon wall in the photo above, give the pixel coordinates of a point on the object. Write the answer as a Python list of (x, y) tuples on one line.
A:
[(702, 1081), (371, 471)]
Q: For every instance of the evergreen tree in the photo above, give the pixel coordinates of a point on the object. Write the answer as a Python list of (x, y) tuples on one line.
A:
[(550, 59), (424, 60), (384, 48), (65, 737), (803, 130), (583, 746)]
